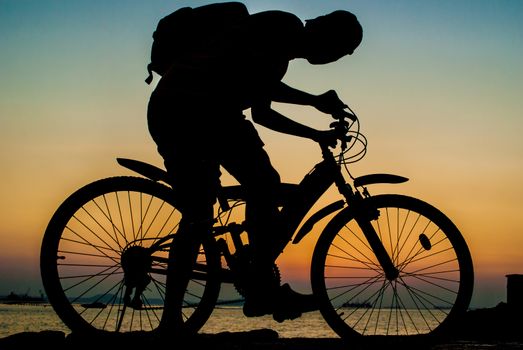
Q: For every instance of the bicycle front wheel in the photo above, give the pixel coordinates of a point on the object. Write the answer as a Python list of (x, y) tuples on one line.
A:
[(435, 281), (97, 265)]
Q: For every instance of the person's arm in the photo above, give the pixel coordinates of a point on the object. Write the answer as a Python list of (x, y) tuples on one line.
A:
[(264, 115), (285, 94), (327, 102)]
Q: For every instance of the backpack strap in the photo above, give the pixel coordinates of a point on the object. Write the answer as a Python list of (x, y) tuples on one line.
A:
[(149, 78)]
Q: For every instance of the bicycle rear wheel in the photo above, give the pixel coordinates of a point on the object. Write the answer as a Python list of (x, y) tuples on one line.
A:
[(435, 280), (107, 224)]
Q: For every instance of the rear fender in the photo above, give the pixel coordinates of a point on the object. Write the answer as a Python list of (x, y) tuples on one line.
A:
[(144, 169)]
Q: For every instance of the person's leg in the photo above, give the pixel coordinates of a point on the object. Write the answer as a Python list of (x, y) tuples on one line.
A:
[(195, 181), (247, 162), (251, 166), (195, 192)]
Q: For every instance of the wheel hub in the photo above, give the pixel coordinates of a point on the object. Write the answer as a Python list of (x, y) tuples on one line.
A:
[(136, 262)]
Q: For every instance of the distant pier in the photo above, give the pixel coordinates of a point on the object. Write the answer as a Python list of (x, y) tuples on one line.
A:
[(22, 299)]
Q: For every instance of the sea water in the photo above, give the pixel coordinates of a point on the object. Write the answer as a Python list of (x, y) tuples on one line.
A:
[(40, 317), (35, 318)]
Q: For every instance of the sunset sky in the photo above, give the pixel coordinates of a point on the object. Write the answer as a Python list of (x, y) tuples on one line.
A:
[(438, 87)]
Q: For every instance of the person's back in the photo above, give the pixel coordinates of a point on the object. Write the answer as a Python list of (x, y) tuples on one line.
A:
[(236, 65)]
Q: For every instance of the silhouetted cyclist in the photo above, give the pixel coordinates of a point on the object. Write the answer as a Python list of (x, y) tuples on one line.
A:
[(195, 116)]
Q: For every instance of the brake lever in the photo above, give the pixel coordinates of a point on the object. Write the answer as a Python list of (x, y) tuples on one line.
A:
[(345, 114)]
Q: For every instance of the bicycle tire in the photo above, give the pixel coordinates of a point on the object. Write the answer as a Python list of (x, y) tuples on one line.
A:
[(81, 258), (434, 287)]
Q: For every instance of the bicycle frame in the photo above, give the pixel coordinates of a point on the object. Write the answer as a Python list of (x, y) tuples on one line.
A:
[(296, 201)]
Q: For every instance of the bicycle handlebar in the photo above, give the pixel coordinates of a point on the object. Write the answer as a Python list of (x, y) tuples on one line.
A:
[(342, 126), (346, 128)]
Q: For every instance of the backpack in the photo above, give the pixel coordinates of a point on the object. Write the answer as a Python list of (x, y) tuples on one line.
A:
[(183, 30)]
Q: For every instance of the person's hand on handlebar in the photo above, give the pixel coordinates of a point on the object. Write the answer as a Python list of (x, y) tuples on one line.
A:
[(331, 137), (329, 103)]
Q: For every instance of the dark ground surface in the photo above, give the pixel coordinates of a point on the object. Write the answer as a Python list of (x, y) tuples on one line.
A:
[(496, 328)]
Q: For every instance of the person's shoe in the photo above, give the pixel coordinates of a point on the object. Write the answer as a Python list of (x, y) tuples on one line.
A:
[(283, 303), (259, 303), (291, 304)]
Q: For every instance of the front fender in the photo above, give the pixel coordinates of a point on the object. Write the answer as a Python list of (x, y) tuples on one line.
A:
[(379, 178)]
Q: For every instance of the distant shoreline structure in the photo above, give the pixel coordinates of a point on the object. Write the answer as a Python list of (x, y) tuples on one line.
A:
[(14, 299)]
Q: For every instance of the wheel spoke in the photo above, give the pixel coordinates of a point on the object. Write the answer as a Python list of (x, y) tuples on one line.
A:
[(435, 271), (82, 258)]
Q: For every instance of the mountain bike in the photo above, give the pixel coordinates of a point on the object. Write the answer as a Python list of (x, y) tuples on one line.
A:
[(385, 264)]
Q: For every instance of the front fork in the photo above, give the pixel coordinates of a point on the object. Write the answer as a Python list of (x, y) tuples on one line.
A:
[(364, 214)]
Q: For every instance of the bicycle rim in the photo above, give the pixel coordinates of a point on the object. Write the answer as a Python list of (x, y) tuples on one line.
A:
[(81, 259), (436, 275)]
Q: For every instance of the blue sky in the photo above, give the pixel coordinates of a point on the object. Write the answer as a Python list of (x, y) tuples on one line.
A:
[(437, 85)]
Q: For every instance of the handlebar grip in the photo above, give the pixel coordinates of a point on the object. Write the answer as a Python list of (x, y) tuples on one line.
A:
[(344, 114)]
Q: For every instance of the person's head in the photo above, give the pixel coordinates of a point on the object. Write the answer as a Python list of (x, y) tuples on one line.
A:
[(330, 37)]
